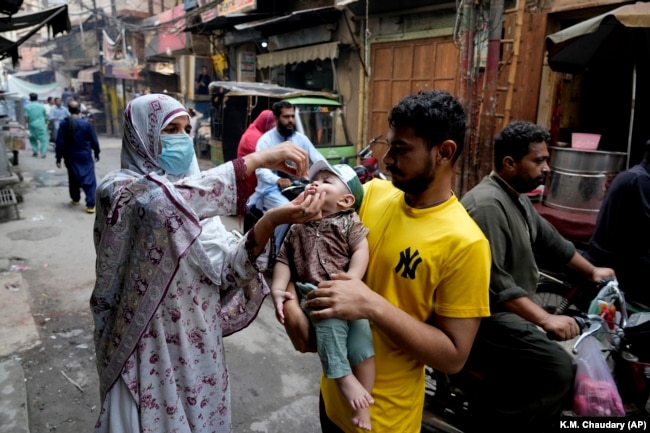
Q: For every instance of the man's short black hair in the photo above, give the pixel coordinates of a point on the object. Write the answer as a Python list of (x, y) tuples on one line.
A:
[(279, 106), (515, 140), (435, 115), (33, 97)]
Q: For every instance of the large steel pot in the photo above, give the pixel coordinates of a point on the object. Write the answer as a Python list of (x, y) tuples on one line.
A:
[(579, 178)]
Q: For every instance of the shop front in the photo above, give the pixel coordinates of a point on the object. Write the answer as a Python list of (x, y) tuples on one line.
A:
[(600, 80), (602, 83)]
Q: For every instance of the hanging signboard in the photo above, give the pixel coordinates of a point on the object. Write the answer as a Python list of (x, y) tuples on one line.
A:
[(247, 66), (227, 7), (117, 60)]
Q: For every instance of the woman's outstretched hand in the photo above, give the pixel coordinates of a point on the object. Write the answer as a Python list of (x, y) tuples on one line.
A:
[(304, 208), (276, 157)]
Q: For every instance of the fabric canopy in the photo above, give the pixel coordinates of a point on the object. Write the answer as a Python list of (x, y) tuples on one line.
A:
[(605, 37), (634, 15), (8, 49), (297, 55), (23, 88), (56, 19)]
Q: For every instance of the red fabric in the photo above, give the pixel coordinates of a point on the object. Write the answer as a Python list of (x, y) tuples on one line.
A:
[(264, 122), (576, 227)]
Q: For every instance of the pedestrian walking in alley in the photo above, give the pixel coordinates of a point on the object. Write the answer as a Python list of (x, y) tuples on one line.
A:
[(48, 107), (77, 145), (57, 114), (171, 281), (36, 121)]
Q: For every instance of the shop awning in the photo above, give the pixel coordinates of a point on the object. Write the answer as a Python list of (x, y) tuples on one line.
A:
[(329, 50), (635, 15), (245, 88), (86, 75), (298, 19), (8, 48), (610, 37), (56, 19), (224, 21)]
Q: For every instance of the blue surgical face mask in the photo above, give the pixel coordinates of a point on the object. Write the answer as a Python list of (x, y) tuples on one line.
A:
[(177, 153)]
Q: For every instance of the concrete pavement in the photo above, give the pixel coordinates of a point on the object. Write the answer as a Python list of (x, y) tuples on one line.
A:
[(18, 331)]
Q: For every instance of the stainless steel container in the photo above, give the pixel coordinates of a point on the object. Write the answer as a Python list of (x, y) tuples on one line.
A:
[(579, 178)]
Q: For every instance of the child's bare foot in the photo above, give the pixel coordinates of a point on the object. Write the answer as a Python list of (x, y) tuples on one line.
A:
[(361, 418), (354, 392)]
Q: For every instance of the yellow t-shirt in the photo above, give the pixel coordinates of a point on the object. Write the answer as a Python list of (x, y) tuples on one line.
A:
[(427, 262)]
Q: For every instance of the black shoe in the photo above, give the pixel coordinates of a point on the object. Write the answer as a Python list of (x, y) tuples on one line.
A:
[(35, 154)]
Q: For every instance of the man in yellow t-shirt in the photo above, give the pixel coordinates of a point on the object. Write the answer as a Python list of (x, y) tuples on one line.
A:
[(426, 287)]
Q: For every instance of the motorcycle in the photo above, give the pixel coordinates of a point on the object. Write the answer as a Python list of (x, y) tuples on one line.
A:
[(625, 340), (449, 399), (368, 169)]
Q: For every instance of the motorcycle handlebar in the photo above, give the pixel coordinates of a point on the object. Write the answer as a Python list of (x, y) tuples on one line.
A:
[(583, 323), (366, 152)]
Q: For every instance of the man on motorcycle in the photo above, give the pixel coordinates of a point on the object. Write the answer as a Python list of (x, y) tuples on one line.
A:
[(621, 238), (528, 378), (268, 193)]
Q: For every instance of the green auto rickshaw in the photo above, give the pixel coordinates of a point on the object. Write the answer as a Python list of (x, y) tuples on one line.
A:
[(319, 115)]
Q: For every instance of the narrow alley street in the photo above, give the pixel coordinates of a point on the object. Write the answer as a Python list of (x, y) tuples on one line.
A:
[(48, 377)]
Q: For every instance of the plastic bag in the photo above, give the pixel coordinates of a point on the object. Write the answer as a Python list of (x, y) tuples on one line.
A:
[(595, 393)]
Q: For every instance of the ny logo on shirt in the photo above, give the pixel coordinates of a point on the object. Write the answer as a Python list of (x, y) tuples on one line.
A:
[(408, 263)]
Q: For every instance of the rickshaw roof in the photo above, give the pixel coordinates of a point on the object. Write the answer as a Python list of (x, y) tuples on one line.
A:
[(310, 100), (243, 88)]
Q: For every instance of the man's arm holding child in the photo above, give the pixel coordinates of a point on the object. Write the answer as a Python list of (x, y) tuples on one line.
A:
[(444, 346)]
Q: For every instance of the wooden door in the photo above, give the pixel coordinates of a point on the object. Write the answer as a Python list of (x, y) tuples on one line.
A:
[(403, 67)]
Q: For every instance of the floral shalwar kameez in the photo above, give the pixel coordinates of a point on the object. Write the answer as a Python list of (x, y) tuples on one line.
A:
[(171, 283)]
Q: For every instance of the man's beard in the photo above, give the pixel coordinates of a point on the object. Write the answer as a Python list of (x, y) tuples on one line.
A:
[(419, 183), (284, 131), (523, 186)]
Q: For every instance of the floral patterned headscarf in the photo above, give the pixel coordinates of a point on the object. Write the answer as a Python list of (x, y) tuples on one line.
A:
[(144, 118)]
